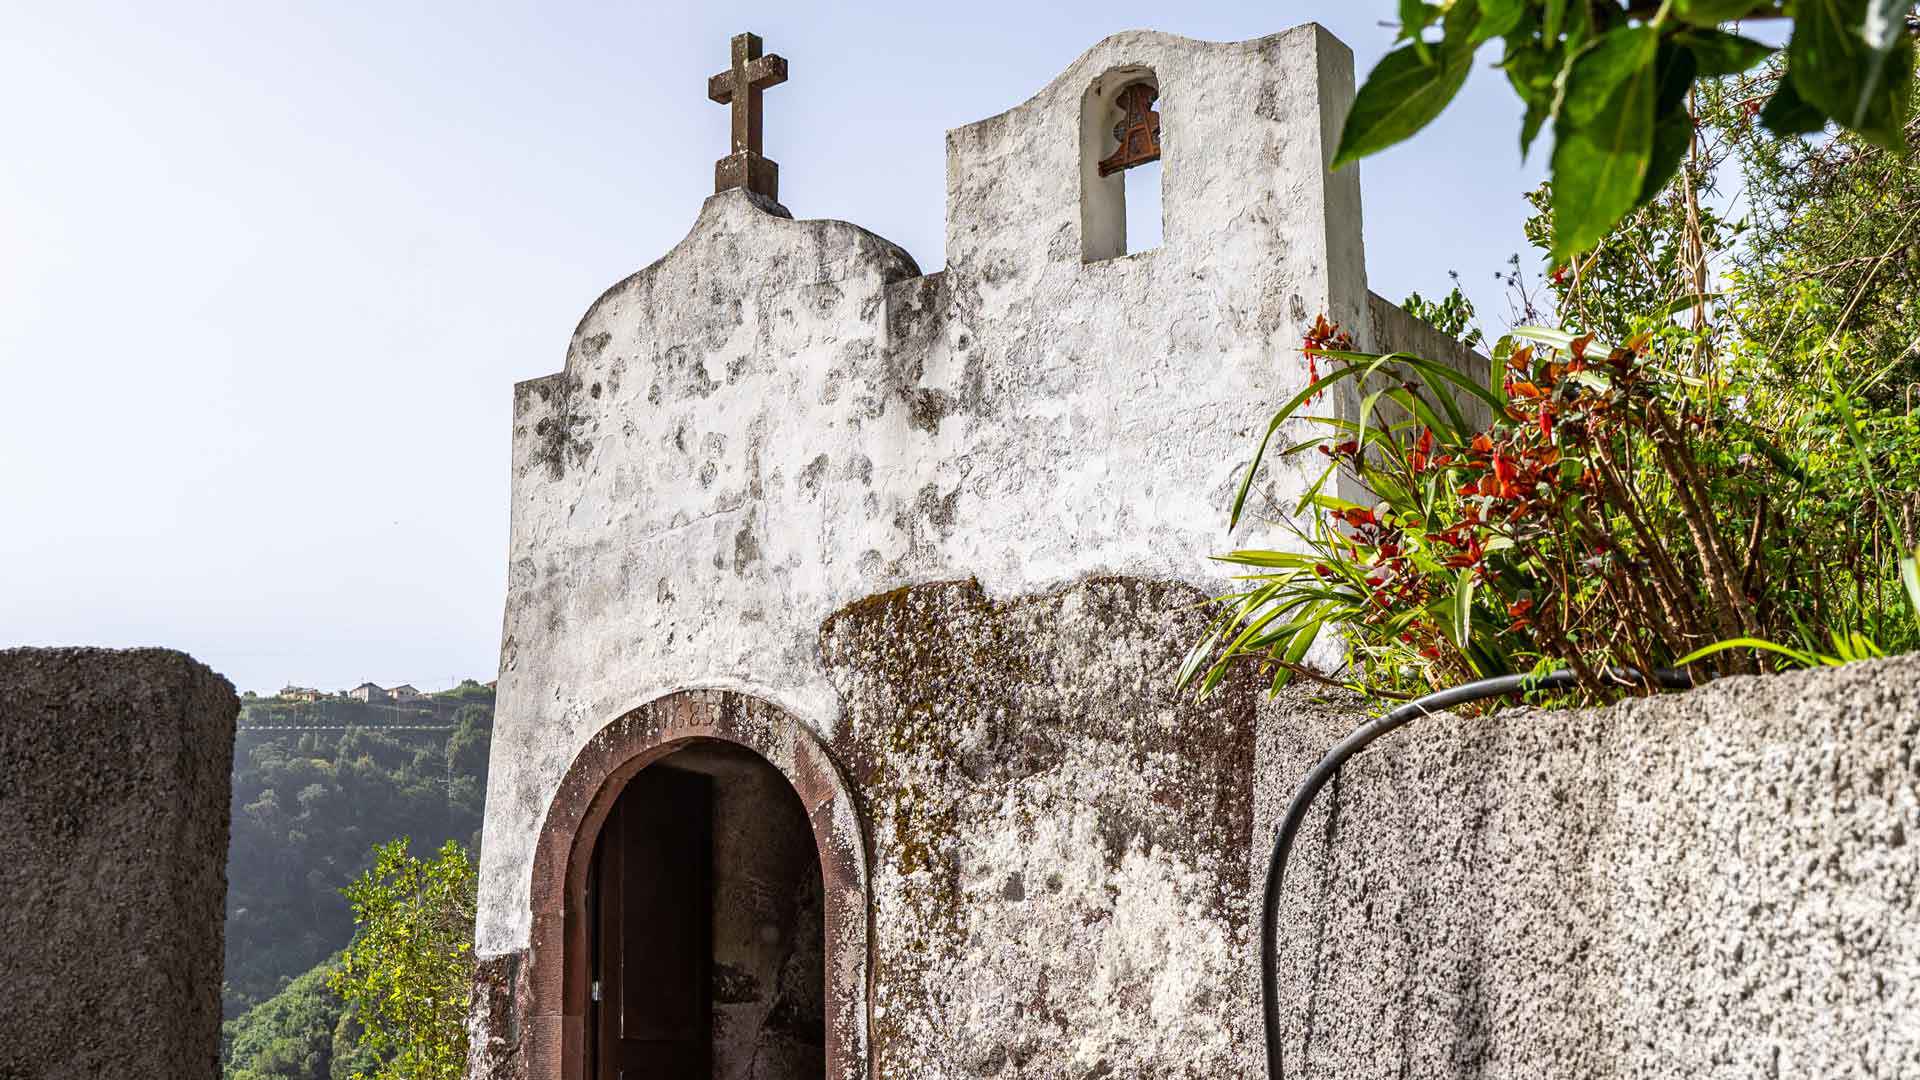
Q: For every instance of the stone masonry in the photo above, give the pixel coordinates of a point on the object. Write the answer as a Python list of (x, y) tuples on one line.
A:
[(115, 782), (953, 526), (1718, 884)]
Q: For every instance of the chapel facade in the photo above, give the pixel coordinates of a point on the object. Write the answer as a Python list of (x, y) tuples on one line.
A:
[(836, 732)]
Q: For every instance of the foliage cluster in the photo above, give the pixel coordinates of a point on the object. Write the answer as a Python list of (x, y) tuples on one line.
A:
[(1613, 514), (406, 977), (1613, 78), (1741, 467), (308, 808), (302, 1033)]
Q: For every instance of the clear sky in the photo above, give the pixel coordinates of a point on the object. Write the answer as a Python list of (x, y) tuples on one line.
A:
[(268, 272)]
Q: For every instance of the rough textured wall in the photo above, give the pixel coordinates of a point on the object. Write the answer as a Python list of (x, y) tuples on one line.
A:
[(1396, 331), (781, 417), (1718, 884), (115, 782), (1060, 843)]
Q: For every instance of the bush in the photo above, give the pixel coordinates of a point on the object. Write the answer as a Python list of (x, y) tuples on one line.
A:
[(1615, 513), (407, 974)]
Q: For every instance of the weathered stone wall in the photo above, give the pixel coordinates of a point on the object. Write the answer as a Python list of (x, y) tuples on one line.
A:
[(953, 527), (115, 781), (1060, 842), (1723, 883), (781, 417)]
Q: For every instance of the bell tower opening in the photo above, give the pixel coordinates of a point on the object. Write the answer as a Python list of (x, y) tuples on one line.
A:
[(1120, 179), (707, 932)]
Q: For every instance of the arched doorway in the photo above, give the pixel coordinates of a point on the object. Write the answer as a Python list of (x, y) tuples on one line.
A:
[(703, 863), (705, 925)]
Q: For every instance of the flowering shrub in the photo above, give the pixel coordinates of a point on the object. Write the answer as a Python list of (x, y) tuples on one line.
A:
[(1613, 514)]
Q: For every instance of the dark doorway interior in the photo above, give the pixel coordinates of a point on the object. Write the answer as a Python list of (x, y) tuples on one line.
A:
[(706, 906)]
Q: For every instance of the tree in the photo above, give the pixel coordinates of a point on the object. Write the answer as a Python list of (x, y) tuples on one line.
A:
[(307, 810), (1614, 76), (407, 974)]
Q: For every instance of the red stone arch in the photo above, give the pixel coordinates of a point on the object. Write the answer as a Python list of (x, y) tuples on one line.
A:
[(554, 1035)]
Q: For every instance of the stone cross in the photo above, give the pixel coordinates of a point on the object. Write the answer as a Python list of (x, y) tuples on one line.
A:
[(740, 86)]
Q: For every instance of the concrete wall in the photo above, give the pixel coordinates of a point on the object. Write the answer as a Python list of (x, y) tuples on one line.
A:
[(115, 780), (1723, 883)]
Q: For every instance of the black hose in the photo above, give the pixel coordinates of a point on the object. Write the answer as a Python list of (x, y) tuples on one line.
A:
[(1362, 737)]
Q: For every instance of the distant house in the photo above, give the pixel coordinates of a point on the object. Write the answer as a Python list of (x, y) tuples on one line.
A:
[(405, 692), (368, 693), (300, 693)]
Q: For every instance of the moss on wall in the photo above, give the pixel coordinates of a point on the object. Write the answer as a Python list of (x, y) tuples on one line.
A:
[(1060, 843)]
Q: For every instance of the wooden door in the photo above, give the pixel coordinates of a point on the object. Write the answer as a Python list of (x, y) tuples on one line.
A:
[(653, 913)]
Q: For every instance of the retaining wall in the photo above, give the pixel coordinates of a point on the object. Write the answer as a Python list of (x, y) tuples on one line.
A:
[(114, 788), (1722, 883)]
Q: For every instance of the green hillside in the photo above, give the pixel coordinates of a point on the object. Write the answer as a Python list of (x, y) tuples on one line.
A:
[(315, 786)]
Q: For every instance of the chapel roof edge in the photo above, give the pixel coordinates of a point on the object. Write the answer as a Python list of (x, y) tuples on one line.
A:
[(1158, 38), (750, 207)]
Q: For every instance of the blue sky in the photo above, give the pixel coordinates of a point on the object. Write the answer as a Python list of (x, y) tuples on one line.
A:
[(267, 273)]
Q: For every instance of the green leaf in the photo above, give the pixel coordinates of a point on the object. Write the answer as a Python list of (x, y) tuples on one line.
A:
[(1368, 363), (1498, 18), (1402, 95), (1884, 30), (1673, 131), (1463, 608), (1600, 167), (1415, 16), (1555, 14), (1788, 114), (1531, 123), (1545, 335), (1600, 71), (1721, 53), (1458, 31), (1835, 69), (1910, 577), (1712, 12), (1804, 659)]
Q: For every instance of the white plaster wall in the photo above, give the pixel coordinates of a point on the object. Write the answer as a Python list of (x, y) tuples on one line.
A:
[(781, 417)]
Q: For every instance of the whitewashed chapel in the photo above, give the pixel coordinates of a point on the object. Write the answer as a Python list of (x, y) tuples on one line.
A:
[(837, 734)]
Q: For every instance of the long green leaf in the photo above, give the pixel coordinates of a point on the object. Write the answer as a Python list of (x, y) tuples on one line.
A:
[(1910, 577), (1720, 53), (1273, 425), (1834, 68), (1711, 12), (1545, 335), (1428, 369), (1600, 165), (1602, 70), (1463, 609), (1402, 94), (1804, 659)]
